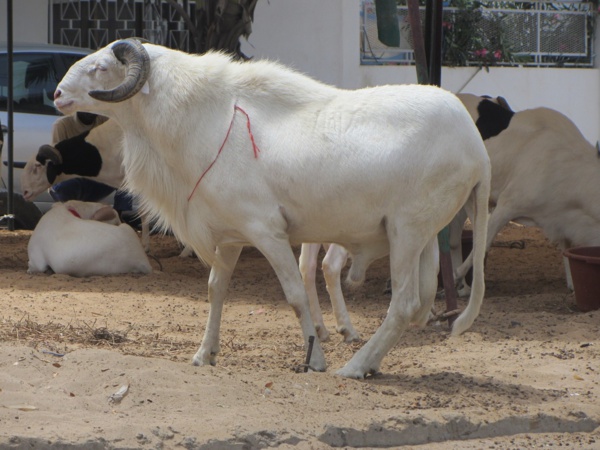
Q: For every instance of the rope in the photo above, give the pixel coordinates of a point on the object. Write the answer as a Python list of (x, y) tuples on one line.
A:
[(254, 146)]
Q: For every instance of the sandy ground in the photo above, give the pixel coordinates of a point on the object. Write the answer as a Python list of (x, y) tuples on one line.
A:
[(524, 376)]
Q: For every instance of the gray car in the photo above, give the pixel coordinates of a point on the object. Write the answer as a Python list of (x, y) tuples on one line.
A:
[(37, 70)]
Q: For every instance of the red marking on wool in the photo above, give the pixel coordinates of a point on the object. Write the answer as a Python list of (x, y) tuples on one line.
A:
[(74, 212), (254, 146)]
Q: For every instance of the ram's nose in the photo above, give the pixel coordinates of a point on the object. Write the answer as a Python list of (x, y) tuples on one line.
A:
[(57, 93)]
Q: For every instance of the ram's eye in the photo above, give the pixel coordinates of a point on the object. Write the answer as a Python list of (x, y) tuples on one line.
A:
[(96, 67)]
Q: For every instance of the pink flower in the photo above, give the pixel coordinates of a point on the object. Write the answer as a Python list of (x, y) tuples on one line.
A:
[(482, 53), (498, 54)]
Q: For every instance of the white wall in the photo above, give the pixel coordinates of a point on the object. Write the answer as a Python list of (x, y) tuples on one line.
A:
[(288, 32), (30, 21), (322, 39), (574, 92)]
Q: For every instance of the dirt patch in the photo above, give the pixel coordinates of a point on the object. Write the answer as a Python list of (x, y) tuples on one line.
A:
[(525, 375)]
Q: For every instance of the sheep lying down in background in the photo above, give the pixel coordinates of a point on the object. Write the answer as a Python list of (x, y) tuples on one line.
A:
[(94, 154), (84, 239)]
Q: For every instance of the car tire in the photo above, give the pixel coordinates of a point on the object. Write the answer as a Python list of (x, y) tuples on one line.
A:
[(27, 215)]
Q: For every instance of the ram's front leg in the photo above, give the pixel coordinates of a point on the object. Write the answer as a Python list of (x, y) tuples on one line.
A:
[(278, 252), (218, 283)]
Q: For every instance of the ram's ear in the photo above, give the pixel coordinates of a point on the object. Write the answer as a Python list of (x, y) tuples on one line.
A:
[(502, 102), (107, 214)]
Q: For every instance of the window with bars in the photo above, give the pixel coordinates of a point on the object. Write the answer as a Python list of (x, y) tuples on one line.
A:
[(96, 23), (507, 33)]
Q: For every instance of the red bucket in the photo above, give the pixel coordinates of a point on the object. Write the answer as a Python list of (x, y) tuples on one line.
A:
[(585, 271)]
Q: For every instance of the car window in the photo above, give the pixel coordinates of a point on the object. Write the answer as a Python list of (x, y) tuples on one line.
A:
[(34, 82), (68, 60)]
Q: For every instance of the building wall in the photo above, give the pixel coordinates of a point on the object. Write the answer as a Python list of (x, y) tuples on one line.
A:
[(30, 21), (322, 38)]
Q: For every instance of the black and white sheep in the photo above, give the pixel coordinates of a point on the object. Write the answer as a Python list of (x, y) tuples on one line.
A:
[(94, 154), (544, 174)]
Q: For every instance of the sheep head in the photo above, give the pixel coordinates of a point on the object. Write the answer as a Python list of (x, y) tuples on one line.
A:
[(40, 172), (112, 74), (491, 115), (133, 55), (52, 159)]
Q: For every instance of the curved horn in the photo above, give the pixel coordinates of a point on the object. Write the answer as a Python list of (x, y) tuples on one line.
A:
[(132, 53), (49, 153), (51, 158)]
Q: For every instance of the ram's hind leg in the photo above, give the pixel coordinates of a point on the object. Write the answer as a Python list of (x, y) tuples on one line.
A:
[(429, 264), (218, 281), (307, 263), (405, 251), (333, 263)]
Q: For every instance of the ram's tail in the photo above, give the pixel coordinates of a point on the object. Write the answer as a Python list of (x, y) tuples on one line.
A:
[(480, 199)]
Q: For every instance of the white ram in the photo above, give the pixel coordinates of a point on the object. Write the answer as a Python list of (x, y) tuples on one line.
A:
[(83, 239), (229, 154), (496, 117)]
